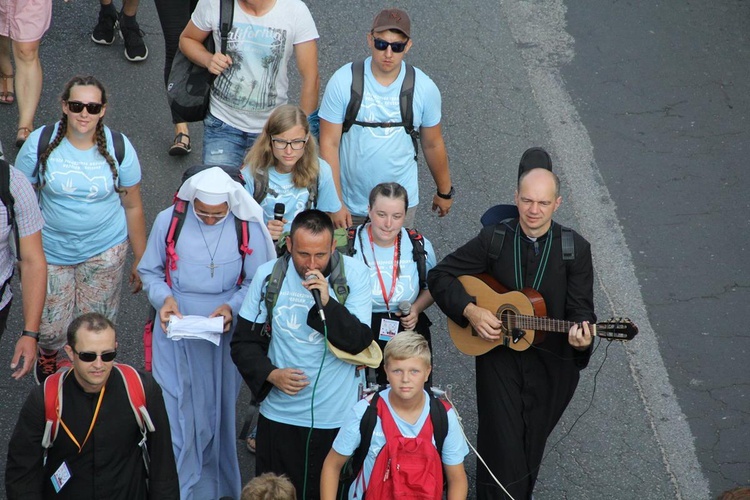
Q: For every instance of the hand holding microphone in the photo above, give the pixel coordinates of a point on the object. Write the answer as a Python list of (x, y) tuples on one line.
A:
[(408, 320), (276, 226), (318, 287)]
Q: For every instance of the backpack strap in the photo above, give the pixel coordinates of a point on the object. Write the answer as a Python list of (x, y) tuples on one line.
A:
[(355, 98), (406, 103), (420, 255), (337, 278), (173, 232), (45, 137), (242, 229), (52, 408), (260, 186), (439, 416), (496, 243), (366, 428), (118, 142), (136, 397), (226, 16), (568, 243), (274, 281), (312, 194)]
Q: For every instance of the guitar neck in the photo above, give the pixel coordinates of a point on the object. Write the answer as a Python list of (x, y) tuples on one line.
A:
[(539, 323)]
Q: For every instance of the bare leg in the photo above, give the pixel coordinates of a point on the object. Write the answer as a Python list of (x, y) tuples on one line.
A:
[(29, 83), (6, 71), (129, 7)]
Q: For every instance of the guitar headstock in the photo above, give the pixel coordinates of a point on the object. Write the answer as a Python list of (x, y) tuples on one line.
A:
[(616, 329)]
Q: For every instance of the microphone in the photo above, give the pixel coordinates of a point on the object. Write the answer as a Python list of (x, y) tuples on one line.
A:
[(278, 211), (405, 307), (316, 294)]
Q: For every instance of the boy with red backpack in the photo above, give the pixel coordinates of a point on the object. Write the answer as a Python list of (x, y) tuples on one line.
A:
[(414, 442)]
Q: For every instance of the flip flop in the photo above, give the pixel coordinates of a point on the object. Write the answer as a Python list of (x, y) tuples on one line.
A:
[(181, 145), (7, 96)]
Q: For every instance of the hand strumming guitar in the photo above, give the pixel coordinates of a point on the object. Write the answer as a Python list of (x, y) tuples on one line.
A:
[(486, 324)]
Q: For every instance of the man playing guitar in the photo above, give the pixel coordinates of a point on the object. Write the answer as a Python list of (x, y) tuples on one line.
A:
[(521, 394)]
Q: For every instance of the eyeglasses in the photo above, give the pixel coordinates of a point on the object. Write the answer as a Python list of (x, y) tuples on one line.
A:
[(396, 47), (94, 108), (90, 357), (296, 144), (211, 216)]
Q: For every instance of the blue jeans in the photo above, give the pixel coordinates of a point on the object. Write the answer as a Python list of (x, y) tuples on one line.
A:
[(223, 144)]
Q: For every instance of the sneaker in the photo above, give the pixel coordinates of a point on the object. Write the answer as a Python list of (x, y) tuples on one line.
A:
[(105, 29), (46, 365), (135, 48)]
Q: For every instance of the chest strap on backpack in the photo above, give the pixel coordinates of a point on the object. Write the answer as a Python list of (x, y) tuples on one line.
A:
[(406, 103)]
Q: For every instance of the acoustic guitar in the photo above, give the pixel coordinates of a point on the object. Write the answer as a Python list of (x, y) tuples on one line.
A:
[(524, 318)]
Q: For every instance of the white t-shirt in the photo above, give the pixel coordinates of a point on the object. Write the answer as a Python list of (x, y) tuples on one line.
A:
[(244, 95)]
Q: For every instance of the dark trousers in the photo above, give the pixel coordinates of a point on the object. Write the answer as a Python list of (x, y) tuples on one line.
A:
[(520, 399), (173, 16), (422, 328), (281, 449)]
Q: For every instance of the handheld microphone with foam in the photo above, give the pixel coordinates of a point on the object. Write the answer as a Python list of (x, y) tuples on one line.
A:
[(316, 295), (278, 211), (405, 307)]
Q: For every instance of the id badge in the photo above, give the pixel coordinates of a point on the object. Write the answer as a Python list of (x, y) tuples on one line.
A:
[(388, 329), (60, 477)]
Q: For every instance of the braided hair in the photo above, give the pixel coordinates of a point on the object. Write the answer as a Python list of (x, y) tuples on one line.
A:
[(99, 135)]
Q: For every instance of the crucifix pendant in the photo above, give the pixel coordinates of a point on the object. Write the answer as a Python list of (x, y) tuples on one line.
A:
[(212, 267)]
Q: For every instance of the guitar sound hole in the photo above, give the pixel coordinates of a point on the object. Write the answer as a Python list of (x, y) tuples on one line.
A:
[(508, 317)]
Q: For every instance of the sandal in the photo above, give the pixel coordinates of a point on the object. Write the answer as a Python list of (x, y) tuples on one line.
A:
[(7, 96), (181, 145), (23, 134)]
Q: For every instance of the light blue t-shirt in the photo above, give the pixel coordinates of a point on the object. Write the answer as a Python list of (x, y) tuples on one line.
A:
[(296, 345), (281, 189), (348, 438), (371, 155), (82, 211), (407, 285)]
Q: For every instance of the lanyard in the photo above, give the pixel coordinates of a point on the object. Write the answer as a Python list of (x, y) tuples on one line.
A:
[(91, 427), (542, 265), (377, 269)]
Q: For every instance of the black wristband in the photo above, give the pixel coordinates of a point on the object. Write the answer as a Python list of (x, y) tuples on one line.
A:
[(447, 196), (33, 335)]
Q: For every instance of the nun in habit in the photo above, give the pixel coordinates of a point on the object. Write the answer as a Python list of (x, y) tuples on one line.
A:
[(198, 378)]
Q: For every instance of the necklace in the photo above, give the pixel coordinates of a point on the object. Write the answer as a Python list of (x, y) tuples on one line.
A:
[(212, 266)]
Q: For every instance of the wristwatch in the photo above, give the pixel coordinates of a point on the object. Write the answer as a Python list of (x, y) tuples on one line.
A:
[(33, 335), (447, 196)]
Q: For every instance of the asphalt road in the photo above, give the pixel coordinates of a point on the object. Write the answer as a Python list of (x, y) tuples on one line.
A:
[(644, 108)]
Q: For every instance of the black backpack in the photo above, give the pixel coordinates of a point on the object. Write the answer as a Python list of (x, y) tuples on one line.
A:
[(406, 100)]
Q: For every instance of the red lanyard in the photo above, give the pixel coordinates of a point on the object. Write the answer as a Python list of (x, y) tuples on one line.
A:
[(377, 269), (91, 427)]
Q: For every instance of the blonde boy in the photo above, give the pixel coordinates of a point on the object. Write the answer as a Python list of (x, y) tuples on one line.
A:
[(407, 366)]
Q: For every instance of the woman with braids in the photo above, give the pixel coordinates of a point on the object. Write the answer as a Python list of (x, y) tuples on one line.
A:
[(92, 207), (283, 167), (399, 293)]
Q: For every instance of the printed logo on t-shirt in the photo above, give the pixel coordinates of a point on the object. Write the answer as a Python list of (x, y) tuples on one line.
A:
[(257, 54), (75, 183)]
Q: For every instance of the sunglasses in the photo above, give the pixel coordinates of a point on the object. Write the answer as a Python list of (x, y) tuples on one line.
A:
[(211, 216), (396, 47), (94, 108), (296, 144), (90, 357)]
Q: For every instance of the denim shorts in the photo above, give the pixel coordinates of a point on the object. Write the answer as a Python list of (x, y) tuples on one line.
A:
[(223, 144)]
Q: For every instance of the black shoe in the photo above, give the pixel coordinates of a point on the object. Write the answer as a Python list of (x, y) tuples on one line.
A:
[(135, 48), (46, 365), (105, 29)]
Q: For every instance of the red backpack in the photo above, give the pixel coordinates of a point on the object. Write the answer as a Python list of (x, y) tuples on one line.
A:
[(406, 468)]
